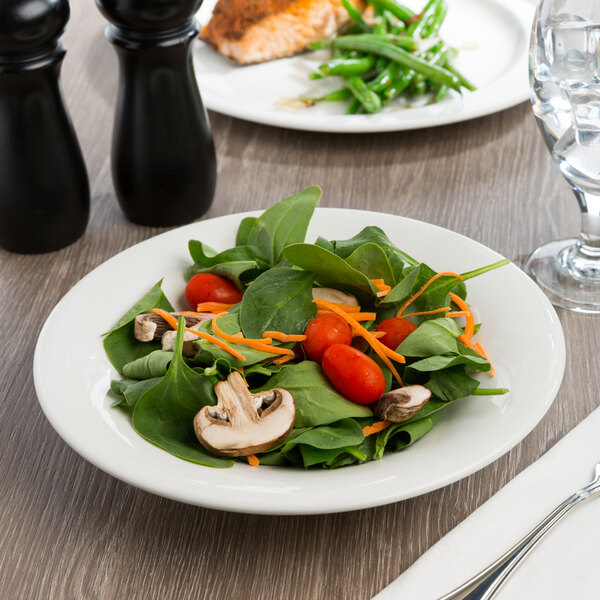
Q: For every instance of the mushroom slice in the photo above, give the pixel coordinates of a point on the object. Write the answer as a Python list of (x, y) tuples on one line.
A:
[(401, 404), (234, 427), (149, 326), (191, 342), (335, 296)]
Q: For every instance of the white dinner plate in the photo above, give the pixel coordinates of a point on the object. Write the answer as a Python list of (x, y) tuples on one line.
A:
[(521, 334), (492, 37)]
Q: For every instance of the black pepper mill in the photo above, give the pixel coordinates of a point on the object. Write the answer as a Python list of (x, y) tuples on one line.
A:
[(44, 189), (163, 156)]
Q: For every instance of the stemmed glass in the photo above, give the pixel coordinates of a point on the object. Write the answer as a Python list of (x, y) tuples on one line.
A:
[(564, 72)]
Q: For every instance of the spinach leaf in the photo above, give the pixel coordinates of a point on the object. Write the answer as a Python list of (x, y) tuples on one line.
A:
[(205, 256), (330, 270), (246, 226), (400, 435), (120, 345), (451, 384), (278, 300), (154, 364), (283, 224), (131, 390), (371, 260), (240, 273), (317, 403), (372, 234), (432, 338), (313, 456), (164, 414), (439, 363), (346, 432)]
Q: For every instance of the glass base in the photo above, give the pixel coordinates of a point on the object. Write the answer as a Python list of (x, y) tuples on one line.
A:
[(567, 282)]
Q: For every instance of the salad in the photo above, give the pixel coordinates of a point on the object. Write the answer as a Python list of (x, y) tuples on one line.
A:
[(313, 355)]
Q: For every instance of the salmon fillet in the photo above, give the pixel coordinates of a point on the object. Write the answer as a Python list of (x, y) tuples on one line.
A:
[(251, 31)]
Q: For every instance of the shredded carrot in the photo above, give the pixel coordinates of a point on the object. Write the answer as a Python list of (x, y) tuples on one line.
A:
[(172, 321), (284, 337), (423, 288), (470, 325), (256, 344), (213, 307), (349, 308), (426, 312), (283, 359), (384, 288), (378, 334), (458, 313), (492, 371), (376, 427), (252, 460), (364, 316), (191, 313), (380, 349)]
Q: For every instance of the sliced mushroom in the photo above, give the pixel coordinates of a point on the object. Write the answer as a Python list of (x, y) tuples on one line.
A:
[(331, 295), (149, 327), (235, 427), (191, 342), (401, 404)]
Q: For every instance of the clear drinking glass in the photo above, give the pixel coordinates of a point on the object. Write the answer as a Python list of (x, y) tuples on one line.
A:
[(564, 72)]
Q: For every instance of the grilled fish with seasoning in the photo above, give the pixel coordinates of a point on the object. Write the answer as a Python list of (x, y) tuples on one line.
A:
[(251, 31)]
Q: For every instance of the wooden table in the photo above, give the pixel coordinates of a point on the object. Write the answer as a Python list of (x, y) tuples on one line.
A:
[(68, 530)]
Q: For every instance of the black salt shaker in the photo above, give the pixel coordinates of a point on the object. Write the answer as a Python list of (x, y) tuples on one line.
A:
[(163, 156), (44, 188)]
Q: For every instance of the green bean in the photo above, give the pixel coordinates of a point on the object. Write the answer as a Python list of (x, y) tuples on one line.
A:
[(416, 28), (344, 67), (322, 44), (370, 100), (356, 16), (354, 107), (395, 25), (381, 63), (432, 28), (385, 78), (463, 80), (402, 12), (382, 47), (441, 93), (335, 96), (399, 85)]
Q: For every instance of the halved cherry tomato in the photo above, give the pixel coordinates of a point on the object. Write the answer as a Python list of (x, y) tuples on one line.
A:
[(396, 331), (323, 331), (353, 374), (206, 287)]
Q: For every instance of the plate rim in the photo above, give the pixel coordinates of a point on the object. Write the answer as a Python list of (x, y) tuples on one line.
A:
[(513, 84), (237, 506)]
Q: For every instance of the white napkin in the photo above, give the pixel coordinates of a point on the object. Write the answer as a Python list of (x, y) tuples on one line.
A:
[(563, 565)]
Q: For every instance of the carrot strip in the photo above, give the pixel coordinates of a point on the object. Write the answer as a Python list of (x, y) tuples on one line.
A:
[(423, 288), (349, 308), (470, 325), (283, 359), (376, 427), (377, 282), (492, 371), (458, 313), (252, 460), (256, 344), (367, 316), (172, 321), (284, 337), (213, 307), (384, 288), (426, 312), (378, 334), (383, 293), (192, 313), (382, 351)]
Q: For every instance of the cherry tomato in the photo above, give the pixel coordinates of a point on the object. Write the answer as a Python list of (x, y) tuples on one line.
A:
[(396, 331), (323, 331), (206, 287), (353, 374)]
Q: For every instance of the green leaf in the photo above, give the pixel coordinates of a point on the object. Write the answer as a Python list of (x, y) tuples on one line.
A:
[(346, 432), (317, 402), (330, 270), (278, 300), (154, 364), (164, 414), (401, 435), (452, 384), (371, 260), (205, 256), (244, 230), (120, 344), (432, 338), (240, 273), (283, 224), (131, 389)]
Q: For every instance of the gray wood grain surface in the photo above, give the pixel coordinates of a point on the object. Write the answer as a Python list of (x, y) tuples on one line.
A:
[(68, 530)]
